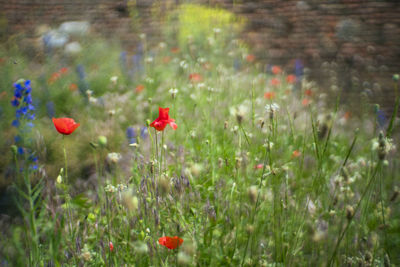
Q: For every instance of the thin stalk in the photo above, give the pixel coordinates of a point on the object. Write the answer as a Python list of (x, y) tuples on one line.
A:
[(394, 114), (267, 151), (355, 212)]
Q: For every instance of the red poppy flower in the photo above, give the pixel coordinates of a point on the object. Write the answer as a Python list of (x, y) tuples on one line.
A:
[(54, 77), (111, 246), (166, 59), (259, 166), (175, 50), (305, 102), (308, 92), (296, 154), (195, 77), (291, 79), (276, 70), (347, 115), (275, 82), (269, 95), (139, 88), (170, 242), (63, 70), (250, 58), (65, 126), (73, 87), (163, 119)]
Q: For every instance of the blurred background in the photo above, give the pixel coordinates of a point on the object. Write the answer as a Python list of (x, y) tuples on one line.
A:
[(359, 40)]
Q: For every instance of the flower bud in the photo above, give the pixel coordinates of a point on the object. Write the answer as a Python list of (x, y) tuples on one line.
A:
[(14, 149), (349, 212), (396, 77), (252, 193), (102, 140)]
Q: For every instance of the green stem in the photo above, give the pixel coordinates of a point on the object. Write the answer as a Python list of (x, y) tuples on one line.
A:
[(355, 212), (65, 162)]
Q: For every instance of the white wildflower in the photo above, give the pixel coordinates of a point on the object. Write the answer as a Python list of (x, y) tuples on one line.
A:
[(114, 157), (110, 188), (274, 107)]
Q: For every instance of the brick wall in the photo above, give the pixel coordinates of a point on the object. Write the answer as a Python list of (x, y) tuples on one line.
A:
[(361, 36)]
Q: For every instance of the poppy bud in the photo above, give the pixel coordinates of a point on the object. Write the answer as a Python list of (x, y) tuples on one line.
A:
[(395, 194), (148, 122), (249, 229), (238, 162), (349, 212), (111, 246), (239, 118), (164, 184), (225, 125), (396, 77), (252, 193), (14, 149), (220, 162), (102, 140)]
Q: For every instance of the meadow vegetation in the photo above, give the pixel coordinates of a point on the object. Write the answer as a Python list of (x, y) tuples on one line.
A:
[(260, 166)]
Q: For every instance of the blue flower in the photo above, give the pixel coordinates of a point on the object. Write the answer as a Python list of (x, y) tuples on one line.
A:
[(236, 64), (28, 99), (15, 102), (131, 135), (20, 150), (81, 71), (50, 109), (15, 123), (381, 118), (298, 68), (17, 139), (24, 115), (143, 132)]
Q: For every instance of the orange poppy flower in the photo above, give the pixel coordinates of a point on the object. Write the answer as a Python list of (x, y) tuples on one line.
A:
[(195, 77), (291, 79), (63, 70), (305, 102), (175, 50), (65, 126), (275, 82), (276, 70), (54, 77), (308, 92), (269, 95), (296, 154), (73, 87), (250, 58), (166, 59), (139, 88), (170, 242)]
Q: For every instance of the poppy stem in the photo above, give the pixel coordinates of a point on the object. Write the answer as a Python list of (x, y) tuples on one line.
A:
[(65, 161)]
